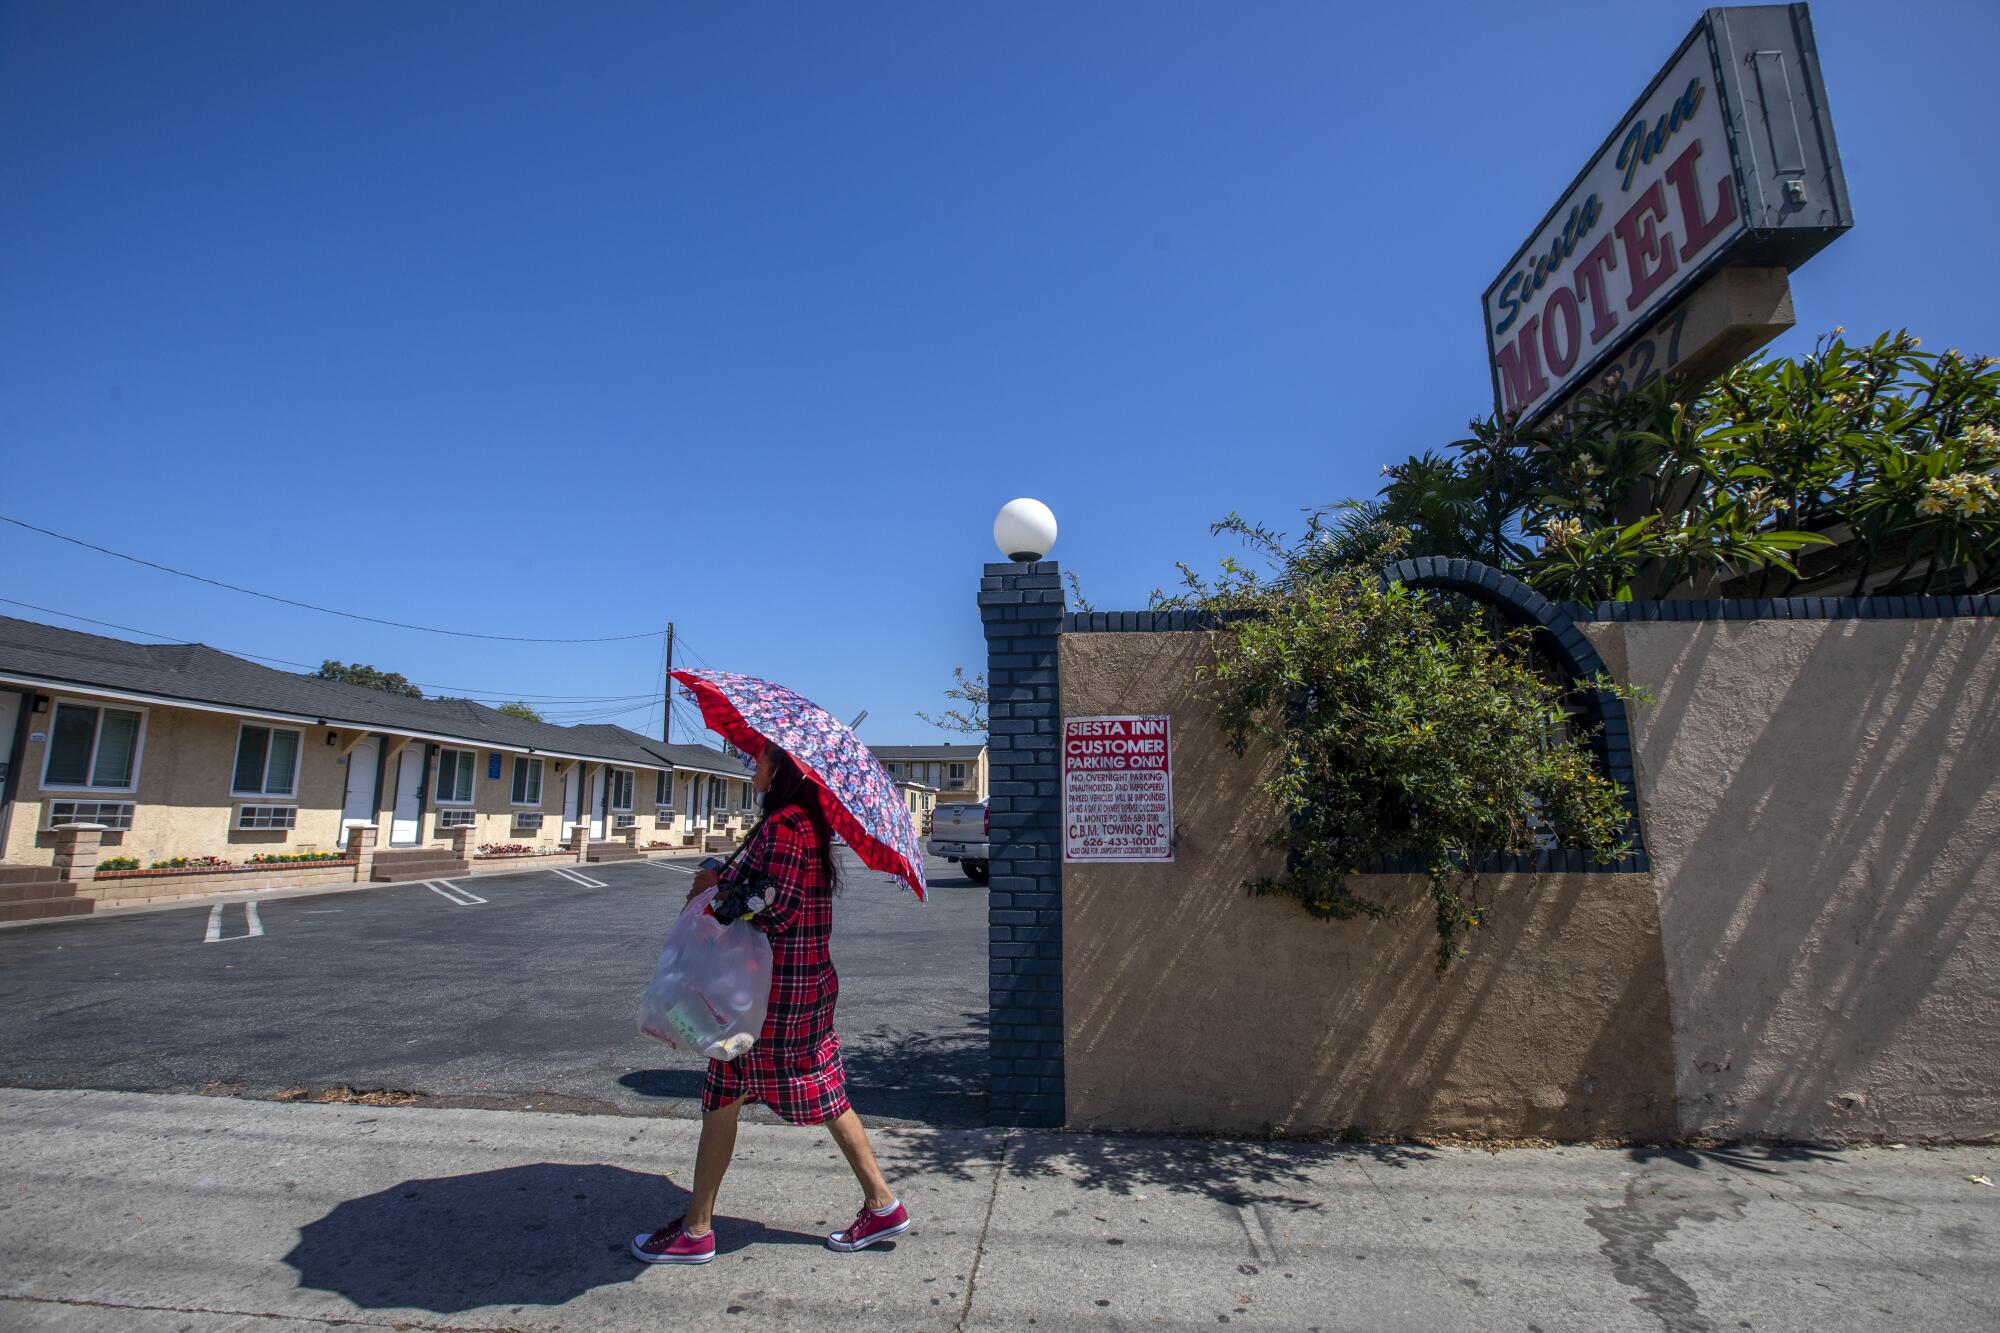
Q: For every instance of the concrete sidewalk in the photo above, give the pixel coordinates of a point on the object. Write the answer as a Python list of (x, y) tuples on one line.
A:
[(140, 1212)]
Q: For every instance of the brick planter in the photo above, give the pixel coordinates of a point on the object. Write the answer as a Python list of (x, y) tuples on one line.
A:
[(275, 867), (115, 887), (517, 861)]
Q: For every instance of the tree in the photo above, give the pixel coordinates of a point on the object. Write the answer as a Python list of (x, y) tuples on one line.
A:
[(368, 677), (519, 708), (969, 690), (1856, 467)]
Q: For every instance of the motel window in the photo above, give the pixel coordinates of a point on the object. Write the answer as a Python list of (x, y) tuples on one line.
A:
[(267, 762), (895, 770), (717, 796), (621, 789), (663, 789), (747, 801), (94, 747), (454, 780), (527, 780), (956, 774)]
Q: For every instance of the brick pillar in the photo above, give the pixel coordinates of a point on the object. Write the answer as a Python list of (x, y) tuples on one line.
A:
[(361, 846), (631, 836), (1021, 606), (77, 849), (461, 842), (579, 838)]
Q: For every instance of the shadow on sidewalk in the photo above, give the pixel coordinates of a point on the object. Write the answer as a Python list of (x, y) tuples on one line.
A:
[(1241, 1173), (524, 1235)]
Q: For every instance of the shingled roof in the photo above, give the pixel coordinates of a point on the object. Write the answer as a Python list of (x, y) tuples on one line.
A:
[(49, 657), (928, 753)]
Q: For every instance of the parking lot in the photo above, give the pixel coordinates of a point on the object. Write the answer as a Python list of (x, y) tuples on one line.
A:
[(514, 991)]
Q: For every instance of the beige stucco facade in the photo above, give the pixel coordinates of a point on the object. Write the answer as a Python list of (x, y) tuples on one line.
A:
[(935, 770), (1822, 804), (184, 806), (1815, 953), (1189, 1005)]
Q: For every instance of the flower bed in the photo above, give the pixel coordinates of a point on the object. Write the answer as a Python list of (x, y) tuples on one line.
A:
[(212, 866), (504, 851)]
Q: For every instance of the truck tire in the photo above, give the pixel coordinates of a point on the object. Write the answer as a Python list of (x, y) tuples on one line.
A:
[(976, 871)]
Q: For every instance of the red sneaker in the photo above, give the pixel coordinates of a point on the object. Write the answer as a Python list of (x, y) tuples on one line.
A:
[(870, 1227), (671, 1244)]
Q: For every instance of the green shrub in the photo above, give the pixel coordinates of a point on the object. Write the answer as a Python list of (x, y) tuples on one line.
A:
[(1404, 725)]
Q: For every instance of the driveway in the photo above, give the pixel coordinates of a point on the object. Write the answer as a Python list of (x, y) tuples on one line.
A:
[(523, 1000)]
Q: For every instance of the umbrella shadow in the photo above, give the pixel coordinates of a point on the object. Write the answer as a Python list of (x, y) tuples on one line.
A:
[(539, 1234)]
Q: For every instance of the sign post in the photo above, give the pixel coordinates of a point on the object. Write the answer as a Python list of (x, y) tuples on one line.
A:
[(1118, 789)]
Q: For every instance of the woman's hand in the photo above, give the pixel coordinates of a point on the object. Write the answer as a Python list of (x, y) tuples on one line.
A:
[(703, 882)]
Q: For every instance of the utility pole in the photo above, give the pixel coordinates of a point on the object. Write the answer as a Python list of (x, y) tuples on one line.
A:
[(667, 698)]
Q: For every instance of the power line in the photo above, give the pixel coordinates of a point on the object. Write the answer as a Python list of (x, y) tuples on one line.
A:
[(692, 651), (308, 606), (473, 692)]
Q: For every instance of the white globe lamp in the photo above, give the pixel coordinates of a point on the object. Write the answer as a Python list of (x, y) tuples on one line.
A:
[(1024, 530)]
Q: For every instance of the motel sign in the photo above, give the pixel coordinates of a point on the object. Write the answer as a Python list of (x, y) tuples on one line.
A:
[(1727, 160)]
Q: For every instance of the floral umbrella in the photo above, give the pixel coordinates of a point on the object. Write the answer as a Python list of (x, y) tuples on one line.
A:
[(864, 807)]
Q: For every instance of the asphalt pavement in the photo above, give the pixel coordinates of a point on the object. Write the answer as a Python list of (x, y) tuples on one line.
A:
[(524, 998), (144, 1214)]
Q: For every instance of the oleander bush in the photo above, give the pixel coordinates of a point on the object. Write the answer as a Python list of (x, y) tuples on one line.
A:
[(1406, 724)]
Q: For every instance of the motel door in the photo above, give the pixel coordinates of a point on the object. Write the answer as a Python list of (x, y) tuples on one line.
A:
[(359, 807), (409, 796), (572, 807), (597, 805), (10, 722)]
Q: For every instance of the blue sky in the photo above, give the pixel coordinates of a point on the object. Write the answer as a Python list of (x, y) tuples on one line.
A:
[(569, 321)]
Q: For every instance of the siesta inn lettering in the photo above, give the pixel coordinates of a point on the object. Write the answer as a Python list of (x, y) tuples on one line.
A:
[(1643, 142), (1588, 290)]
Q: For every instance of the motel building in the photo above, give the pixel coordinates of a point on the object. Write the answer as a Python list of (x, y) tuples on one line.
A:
[(921, 800), (954, 773), (140, 772)]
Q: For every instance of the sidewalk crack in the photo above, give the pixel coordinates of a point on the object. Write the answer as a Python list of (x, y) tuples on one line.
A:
[(985, 1225), (331, 1321)]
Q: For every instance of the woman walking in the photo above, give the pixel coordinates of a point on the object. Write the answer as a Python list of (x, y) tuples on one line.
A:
[(795, 1067)]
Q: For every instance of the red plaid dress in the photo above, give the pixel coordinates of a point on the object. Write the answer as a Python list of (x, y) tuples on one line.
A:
[(795, 1067)]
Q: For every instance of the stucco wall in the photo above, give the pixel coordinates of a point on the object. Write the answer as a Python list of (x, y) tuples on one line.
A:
[(1815, 955), (1822, 802), (1189, 1005), (186, 764)]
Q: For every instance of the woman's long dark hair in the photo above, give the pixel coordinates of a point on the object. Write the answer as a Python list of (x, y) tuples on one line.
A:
[(790, 786)]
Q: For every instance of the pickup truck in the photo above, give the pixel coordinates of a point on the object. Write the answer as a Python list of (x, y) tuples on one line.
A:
[(958, 833)]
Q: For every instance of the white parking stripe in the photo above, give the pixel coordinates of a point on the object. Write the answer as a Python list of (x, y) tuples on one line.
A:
[(451, 893), (669, 865), (578, 877), (213, 934)]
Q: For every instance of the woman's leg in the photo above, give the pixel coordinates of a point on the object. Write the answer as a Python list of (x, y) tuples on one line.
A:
[(853, 1140), (711, 1161)]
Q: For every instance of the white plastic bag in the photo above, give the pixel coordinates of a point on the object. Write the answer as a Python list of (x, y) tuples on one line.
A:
[(712, 985)]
